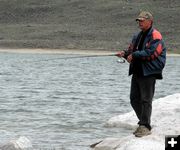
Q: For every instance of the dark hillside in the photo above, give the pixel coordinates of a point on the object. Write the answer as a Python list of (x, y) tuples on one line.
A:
[(83, 24)]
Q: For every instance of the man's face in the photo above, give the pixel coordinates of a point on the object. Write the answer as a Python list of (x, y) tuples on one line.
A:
[(144, 24)]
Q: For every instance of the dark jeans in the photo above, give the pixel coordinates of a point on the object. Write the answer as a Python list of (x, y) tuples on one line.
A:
[(141, 95)]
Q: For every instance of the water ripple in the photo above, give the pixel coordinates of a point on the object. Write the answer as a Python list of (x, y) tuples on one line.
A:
[(58, 104)]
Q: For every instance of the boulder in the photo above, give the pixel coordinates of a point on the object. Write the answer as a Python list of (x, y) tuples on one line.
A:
[(22, 143)]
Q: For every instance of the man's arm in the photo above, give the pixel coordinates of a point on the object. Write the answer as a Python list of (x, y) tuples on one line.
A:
[(151, 53)]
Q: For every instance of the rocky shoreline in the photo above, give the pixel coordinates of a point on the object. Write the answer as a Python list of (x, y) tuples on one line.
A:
[(164, 120)]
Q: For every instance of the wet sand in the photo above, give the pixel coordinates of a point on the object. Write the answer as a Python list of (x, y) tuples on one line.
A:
[(65, 51), (58, 51)]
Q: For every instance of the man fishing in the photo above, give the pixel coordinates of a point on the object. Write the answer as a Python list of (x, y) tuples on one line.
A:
[(146, 56)]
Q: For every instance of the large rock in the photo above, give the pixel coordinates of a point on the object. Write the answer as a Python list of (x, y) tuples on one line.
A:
[(165, 121), (21, 143), (108, 144), (151, 142)]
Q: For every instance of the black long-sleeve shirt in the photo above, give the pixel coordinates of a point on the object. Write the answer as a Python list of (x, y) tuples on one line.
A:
[(137, 64)]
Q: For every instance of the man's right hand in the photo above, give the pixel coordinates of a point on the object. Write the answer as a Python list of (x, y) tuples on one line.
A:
[(120, 54)]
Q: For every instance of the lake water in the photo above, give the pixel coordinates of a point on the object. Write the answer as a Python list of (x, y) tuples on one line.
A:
[(63, 104)]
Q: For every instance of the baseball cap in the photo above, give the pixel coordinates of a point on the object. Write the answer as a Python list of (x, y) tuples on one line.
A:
[(144, 15)]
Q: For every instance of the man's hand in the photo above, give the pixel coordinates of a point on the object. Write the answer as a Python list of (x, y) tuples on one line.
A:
[(129, 58), (120, 54)]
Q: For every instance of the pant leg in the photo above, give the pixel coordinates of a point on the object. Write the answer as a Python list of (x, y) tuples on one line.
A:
[(135, 97), (147, 88)]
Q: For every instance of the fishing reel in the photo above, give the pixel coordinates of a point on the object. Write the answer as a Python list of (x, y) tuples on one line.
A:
[(121, 60)]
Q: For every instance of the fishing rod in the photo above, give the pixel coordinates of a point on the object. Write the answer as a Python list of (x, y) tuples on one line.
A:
[(121, 60)]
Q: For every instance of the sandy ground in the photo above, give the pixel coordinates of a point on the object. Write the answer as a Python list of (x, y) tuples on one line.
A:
[(65, 51), (58, 51)]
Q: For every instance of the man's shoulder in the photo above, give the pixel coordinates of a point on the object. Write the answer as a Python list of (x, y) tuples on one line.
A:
[(156, 35)]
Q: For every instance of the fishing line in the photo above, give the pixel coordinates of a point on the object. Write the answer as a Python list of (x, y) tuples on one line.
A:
[(120, 60)]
